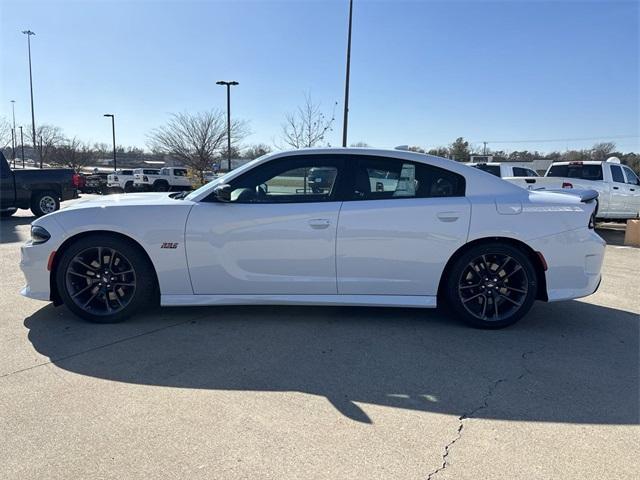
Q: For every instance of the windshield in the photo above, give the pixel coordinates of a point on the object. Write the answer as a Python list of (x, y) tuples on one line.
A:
[(224, 178)]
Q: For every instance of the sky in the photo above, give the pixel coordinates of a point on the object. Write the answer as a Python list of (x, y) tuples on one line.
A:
[(511, 73)]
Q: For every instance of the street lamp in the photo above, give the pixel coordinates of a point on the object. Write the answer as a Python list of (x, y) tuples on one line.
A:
[(13, 131), (28, 33), (22, 146), (228, 85), (113, 131), (346, 83)]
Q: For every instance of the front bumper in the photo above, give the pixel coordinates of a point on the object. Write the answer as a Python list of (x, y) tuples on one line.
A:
[(574, 260)]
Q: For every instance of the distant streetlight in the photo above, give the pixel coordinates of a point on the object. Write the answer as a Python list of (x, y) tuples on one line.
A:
[(228, 85), (28, 33), (13, 131), (346, 83), (22, 146), (113, 131)]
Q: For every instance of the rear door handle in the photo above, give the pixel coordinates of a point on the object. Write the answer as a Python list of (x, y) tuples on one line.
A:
[(448, 216), (319, 223), (615, 188)]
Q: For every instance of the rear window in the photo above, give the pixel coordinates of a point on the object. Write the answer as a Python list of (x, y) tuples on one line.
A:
[(492, 169), (150, 172), (584, 172), (126, 172)]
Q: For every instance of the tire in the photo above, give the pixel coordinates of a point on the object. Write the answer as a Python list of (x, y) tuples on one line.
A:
[(488, 278), (161, 187), (122, 284), (7, 213), (128, 187), (44, 202)]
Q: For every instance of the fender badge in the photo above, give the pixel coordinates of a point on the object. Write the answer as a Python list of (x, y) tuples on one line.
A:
[(169, 245)]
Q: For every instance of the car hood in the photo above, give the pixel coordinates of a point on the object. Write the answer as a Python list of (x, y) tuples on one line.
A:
[(128, 199)]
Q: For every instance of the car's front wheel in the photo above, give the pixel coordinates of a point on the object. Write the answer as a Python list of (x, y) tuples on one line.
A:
[(491, 285), (105, 279)]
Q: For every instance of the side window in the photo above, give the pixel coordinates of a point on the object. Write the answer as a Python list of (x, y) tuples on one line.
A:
[(385, 178), (521, 172), (180, 172), (531, 173), (632, 178), (310, 178), (616, 174)]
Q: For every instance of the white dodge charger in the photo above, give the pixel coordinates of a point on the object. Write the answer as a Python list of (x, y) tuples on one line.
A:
[(323, 227)]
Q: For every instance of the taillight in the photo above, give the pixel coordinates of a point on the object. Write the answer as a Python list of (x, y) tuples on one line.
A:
[(115, 178), (75, 180), (567, 185), (145, 179)]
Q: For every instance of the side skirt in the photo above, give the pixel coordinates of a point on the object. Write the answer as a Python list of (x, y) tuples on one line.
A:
[(415, 301)]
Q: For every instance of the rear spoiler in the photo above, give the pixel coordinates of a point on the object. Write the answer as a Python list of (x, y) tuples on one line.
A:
[(585, 196)]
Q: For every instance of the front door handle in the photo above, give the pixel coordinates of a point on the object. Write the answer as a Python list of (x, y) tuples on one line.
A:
[(319, 223), (448, 216)]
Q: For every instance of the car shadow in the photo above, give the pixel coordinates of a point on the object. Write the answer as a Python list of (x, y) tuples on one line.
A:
[(568, 362), (10, 228)]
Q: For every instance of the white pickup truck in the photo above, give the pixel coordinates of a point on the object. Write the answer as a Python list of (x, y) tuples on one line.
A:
[(121, 180), (617, 185), (163, 180), (504, 169)]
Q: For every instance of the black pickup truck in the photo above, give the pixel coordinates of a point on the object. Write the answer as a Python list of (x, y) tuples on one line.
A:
[(41, 190)]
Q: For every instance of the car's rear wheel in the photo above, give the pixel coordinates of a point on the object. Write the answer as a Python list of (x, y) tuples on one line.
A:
[(105, 279), (44, 202), (128, 187), (491, 285), (161, 186)]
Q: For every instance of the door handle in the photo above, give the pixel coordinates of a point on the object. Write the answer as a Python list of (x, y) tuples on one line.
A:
[(615, 188), (319, 223), (632, 189), (448, 216)]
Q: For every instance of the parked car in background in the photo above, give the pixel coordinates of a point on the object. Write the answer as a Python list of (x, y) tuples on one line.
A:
[(144, 178), (41, 190), (617, 185), (121, 180), (504, 169), (393, 228), (95, 183), (164, 180)]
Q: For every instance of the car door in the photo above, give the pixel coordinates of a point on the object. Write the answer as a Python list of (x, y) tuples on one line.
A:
[(275, 237), (619, 192), (633, 187), (398, 227), (7, 185)]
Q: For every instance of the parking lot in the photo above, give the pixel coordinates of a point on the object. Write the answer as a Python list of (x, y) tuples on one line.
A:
[(293, 392)]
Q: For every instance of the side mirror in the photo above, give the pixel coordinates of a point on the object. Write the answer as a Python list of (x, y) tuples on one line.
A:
[(222, 193)]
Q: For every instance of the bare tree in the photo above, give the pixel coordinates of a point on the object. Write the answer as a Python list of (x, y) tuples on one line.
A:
[(5, 133), (600, 151), (48, 137), (255, 151), (74, 154), (195, 139), (307, 126)]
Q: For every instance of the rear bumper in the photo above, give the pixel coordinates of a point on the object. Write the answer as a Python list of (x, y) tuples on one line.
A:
[(574, 262)]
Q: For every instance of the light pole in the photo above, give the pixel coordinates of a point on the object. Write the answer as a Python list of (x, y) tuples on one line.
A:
[(28, 33), (113, 131), (346, 83), (228, 85), (13, 131), (22, 145)]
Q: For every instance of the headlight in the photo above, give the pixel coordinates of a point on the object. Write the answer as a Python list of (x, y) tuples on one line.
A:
[(39, 234)]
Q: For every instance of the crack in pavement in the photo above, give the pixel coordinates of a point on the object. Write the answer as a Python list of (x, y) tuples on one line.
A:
[(473, 412)]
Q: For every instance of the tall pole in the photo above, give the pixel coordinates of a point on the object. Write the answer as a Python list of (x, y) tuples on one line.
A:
[(346, 83), (228, 85), (22, 145), (113, 132), (28, 33), (13, 131)]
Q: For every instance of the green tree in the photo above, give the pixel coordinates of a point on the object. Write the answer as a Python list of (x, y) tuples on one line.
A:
[(459, 150)]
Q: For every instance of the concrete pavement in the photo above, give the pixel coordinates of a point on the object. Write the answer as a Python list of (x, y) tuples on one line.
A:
[(304, 392)]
